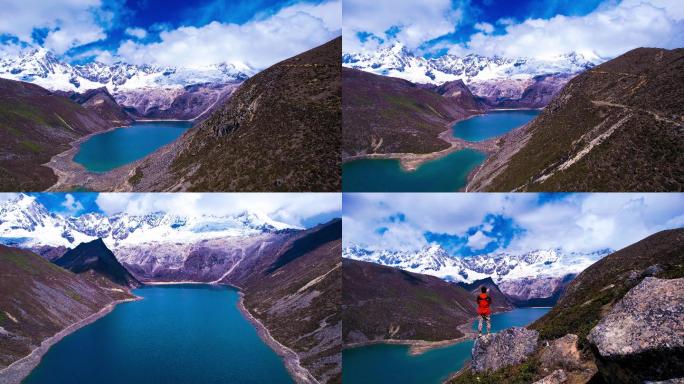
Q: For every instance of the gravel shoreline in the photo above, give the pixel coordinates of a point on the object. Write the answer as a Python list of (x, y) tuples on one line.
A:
[(20, 369), (300, 374)]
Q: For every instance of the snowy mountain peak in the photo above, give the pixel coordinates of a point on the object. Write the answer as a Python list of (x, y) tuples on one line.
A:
[(397, 61), (434, 260), (41, 67), (27, 223)]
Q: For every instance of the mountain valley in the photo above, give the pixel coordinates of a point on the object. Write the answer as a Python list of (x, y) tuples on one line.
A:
[(293, 106), (287, 275)]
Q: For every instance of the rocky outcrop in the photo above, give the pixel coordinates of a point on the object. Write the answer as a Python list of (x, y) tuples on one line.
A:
[(561, 352), (557, 377), (508, 347), (642, 337)]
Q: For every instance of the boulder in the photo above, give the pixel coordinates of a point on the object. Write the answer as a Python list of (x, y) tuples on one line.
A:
[(557, 377), (508, 347), (642, 337), (561, 352)]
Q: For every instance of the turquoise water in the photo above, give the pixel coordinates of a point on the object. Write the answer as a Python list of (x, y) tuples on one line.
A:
[(492, 124), (176, 334), (112, 149), (445, 174), (384, 363)]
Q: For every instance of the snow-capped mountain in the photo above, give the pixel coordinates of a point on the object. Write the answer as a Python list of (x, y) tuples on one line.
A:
[(26, 223), (397, 61), (41, 67), (501, 267)]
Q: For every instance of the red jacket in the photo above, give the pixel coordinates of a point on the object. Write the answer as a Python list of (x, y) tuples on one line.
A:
[(483, 301)]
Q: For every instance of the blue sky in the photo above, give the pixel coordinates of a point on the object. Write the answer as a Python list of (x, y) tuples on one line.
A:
[(300, 209), (536, 28), (175, 32), (473, 224)]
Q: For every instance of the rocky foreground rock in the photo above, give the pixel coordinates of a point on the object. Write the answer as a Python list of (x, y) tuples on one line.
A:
[(642, 337), (508, 347)]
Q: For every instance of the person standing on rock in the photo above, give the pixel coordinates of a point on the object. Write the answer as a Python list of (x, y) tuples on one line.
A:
[(483, 303)]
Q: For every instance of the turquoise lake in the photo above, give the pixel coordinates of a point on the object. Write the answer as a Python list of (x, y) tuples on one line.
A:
[(112, 149), (492, 124), (445, 174), (385, 363), (176, 334)]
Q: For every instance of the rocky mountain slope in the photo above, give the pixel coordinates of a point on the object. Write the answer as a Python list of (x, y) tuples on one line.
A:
[(295, 292), (100, 101), (97, 260), (499, 81), (280, 131), (537, 276), (594, 291), (38, 299), (383, 303), (146, 91), (542, 291), (36, 124), (389, 115), (616, 127)]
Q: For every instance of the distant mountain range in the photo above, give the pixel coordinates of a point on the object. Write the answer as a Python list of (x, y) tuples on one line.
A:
[(488, 77), (39, 66), (516, 274), (145, 91), (26, 222)]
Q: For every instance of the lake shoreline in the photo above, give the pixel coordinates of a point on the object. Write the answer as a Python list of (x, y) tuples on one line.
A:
[(16, 372), (71, 174), (411, 161), (418, 347), (298, 373)]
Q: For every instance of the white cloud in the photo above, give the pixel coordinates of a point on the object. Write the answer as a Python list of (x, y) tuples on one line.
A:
[(612, 29), (484, 27), (71, 205), (69, 23), (578, 222), (478, 241), (138, 33), (418, 21), (291, 208), (258, 43)]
